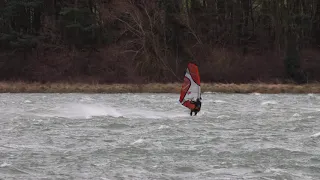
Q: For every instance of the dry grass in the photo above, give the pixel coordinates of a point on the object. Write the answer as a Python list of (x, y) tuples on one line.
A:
[(262, 88), (22, 87)]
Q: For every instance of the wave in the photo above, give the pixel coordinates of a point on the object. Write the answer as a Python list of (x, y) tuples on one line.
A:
[(82, 110)]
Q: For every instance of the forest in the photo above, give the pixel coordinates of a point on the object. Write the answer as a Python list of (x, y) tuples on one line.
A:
[(142, 41)]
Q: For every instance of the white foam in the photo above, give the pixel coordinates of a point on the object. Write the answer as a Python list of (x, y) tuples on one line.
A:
[(76, 110), (86, 110), (223, 116), (316, 135), (163, 127), (145, 113), (311, 109), (103, 178), (219, 101), (86, 99), (4, 165), (269, 102), (296, 115), (276, 170), (139, 141)]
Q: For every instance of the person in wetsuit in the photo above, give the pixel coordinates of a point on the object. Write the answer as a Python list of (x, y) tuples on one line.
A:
[(197, 108)]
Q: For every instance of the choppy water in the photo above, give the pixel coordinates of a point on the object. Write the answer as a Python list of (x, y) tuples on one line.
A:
[(151, 136)]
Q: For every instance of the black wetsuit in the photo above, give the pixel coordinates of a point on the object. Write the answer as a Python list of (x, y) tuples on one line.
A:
[(197, 108)]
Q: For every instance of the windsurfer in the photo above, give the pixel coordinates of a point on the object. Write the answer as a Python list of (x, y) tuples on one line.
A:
[(190, 94), (197, 107)]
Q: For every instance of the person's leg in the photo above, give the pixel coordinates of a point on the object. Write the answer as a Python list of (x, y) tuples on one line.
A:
[(191, 113)]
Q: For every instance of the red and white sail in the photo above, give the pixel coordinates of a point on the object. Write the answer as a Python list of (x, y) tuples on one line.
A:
[(191, 89)]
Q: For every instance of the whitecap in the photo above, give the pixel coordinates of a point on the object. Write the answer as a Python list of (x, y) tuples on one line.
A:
[(163, 127), (296, 115), (219, 101), (139, 141), (269, 102), (316, 135), (4, 165)]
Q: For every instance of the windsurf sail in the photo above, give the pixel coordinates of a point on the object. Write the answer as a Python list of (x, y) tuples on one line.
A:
[(191, 89)]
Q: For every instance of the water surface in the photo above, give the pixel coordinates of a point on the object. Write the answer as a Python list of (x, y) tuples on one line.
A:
[(151, 136)]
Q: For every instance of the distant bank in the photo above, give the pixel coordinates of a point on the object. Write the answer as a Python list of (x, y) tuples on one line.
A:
[(22, 87)]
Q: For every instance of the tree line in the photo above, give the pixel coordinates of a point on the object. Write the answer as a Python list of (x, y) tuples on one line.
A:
[(152, 40)]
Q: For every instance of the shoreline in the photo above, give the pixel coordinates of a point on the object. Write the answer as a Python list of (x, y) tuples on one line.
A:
[(23, 87)]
